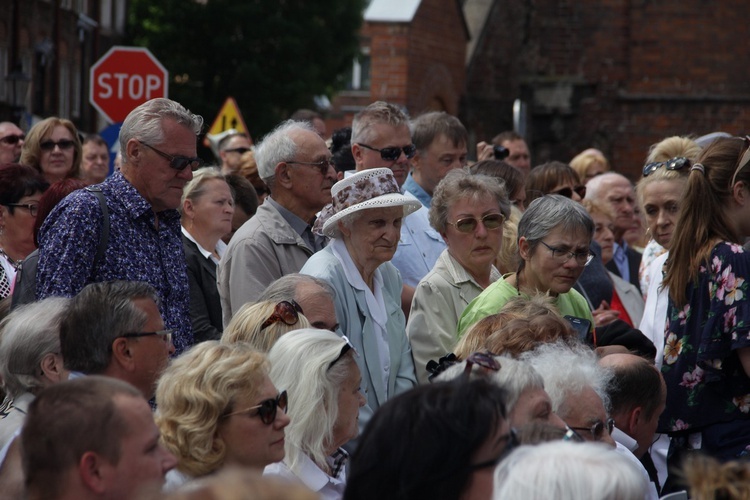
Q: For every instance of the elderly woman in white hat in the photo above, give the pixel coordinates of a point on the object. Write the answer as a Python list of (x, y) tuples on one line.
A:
[(365, 226)]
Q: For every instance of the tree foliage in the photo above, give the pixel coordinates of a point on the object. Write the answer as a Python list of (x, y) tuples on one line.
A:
[(272, 56)]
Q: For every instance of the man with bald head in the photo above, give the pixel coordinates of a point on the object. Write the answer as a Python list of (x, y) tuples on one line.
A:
[(11, 142), (295, 164)]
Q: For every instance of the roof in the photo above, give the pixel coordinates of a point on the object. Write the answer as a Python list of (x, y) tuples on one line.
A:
[(394, 11)]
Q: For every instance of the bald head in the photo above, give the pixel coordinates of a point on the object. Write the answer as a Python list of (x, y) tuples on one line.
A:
[(616, 191)]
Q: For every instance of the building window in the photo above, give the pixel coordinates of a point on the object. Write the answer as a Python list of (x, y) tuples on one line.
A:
[(75, 99), (64, 90), (4, 92), (360, 75)]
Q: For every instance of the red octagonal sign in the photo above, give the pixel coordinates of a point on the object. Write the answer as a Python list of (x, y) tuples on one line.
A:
[(124, 78)]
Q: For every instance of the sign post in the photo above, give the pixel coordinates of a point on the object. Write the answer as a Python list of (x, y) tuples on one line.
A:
[(124, 78)]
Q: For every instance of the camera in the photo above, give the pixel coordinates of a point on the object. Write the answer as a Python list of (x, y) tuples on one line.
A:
[(500, 152)]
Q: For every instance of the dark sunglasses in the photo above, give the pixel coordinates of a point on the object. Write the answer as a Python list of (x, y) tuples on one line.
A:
[(266, 409), (344, 349), (511, 439), (176, 162), (241, 151), (13, 139), (286, 311), (597, 430), (484, 359), (62, 144), (322, 165), (469, 224), (568, 192), (393, 153), (677, 163)]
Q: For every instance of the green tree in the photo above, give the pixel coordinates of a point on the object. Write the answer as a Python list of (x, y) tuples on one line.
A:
[(272, 56)]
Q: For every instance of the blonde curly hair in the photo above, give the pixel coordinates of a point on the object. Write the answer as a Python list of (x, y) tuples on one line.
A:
[(196, 391)]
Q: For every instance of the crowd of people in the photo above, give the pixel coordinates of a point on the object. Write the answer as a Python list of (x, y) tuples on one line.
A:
[(374, 316)]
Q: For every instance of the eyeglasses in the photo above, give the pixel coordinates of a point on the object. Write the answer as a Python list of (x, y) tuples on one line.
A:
[(13, 139), (563, 256), (744, 159), (266, 409), (166, 335), (469, 224), (285, 311), (33, 208), (677, 163), (344, 349), (511, 439), (62, 144), (568, 192), (571, 435), (484, 359), (393, 153), (241, 151), (597, 430), (322, 165), (176, 162)]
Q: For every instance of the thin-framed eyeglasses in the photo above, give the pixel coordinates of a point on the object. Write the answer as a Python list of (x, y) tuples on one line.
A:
[(484, 359), (562, 256), (322, 165), (33, 208), (393, 153), (166, 335), (744, 159), (511, 439), (177, 162), (568, 191), (62, 144), (469, 224), (286, 311), (597, 430), (676, 163), (344, 349), (266, 409), (12, 139)]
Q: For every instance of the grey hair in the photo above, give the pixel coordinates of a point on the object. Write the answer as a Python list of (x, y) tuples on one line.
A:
[(567, 471), (567, 370), (285, 288), (276, 147), (461, 184), (550, 211), (144, 123), (514, 377), (594, 186), (197, 186), (29, 334), (300, 362), (98, 315), (377, 112)]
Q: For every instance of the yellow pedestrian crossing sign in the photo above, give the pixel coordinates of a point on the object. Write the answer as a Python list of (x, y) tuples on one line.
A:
[(229, 117)]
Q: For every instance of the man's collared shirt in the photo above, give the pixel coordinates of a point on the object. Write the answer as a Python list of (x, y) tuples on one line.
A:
[(301, 227), (136, 251), (419, 193)]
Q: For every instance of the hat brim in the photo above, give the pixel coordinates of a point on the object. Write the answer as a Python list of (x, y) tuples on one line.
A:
[(410, 205)]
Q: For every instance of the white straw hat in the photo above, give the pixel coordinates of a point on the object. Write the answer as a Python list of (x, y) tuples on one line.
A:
[(374, 188)]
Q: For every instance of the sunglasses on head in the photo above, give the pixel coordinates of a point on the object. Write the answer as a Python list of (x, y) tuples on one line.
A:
[(469, 224), (568, 192), (266, 409), (62, 144), (13, 139), (176, 162), (484, 359), (597, 430), (393, 153), (286, 311), (677, 163), (344, 349), (744, 159)]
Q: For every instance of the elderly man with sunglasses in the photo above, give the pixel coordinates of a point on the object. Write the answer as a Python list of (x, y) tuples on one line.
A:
[(11, 142), (141, 225)]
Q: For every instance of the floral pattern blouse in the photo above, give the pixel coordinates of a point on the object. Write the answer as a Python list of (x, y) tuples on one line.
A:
[(706, 383)]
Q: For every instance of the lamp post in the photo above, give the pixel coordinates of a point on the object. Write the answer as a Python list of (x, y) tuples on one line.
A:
[(19, 87)]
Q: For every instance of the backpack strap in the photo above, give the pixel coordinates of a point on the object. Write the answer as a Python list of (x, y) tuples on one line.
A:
[(104, 239)]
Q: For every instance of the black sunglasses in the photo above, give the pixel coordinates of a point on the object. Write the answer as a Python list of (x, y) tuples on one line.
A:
[(286, 311), (13, 139), (677, 163), (176, 162), (484, 359), (393, 153), (597, 430), (241, 151), (62, 144), (322, 165), (344, 349), (568, 192), (469, 224), (266, 409)]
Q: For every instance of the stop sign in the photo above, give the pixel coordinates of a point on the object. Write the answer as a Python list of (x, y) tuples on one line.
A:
[(124, 78)]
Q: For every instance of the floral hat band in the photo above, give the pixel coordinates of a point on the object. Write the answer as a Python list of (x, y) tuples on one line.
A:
[(376, 182)]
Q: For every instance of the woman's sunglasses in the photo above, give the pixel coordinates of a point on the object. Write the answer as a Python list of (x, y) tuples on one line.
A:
[(469, 224), (568, 192), (677, 163), (484, 359), (266, 409), (285, 311)]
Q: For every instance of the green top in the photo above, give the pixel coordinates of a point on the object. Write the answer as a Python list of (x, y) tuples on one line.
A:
[(494, 297)]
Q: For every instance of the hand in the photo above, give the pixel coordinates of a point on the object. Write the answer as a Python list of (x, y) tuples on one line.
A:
[(485, 151), (604, 315)]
